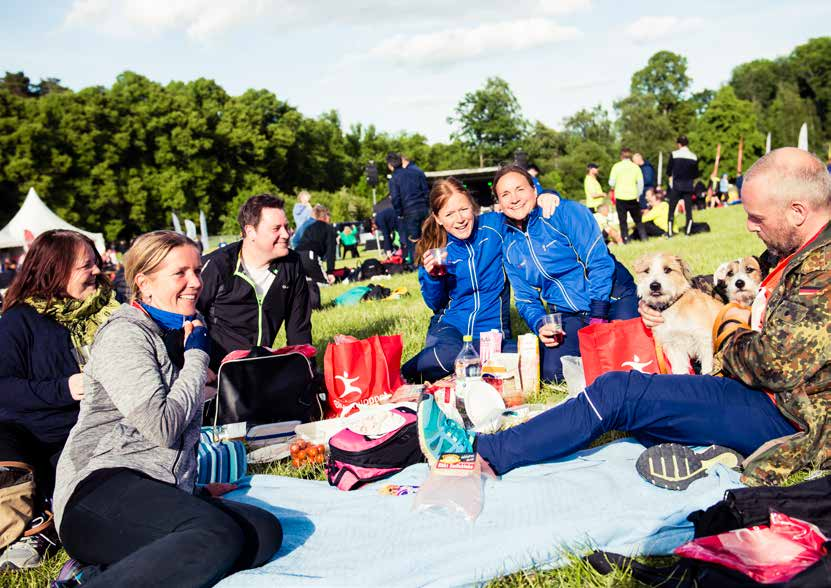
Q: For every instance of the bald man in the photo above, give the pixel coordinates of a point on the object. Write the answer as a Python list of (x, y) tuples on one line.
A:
[(773, 404)]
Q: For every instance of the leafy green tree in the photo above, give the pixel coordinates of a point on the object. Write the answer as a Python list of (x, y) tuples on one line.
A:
[(572, 167), (664, 77), (591, 125), (811, 65), (643, 127), (786, 115), (758, 80), (726, 121), (489, 121)]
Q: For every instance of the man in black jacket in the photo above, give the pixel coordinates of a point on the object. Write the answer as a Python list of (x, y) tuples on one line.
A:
[(682, 170), (251, 287), (409, 195), (318, 243)]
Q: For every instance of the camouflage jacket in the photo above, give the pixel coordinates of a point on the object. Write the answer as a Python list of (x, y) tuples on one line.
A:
[(791, 357)]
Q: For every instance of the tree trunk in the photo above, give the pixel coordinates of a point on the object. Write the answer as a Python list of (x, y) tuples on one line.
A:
[(481, 159)]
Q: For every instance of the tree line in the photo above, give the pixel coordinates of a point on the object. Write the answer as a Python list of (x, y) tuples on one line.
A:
[(121, 159)]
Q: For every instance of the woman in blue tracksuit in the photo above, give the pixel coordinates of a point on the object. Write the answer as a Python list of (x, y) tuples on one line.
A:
[(474, 295), (560, 261)]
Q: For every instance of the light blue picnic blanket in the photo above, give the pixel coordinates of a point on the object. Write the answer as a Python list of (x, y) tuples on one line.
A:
[(594, 499)]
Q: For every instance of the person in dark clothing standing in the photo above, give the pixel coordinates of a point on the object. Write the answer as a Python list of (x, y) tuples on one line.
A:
[(408, 192), (319, 243), (253, 286), (52, 311), (385, 220), (682, 170), (649, 179)]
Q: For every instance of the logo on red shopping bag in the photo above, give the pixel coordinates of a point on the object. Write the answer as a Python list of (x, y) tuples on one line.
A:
[(636, 364), (350, 392)]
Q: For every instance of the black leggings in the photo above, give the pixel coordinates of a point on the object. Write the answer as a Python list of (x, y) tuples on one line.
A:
[(674, 197), (353, 249), (633, 208), (149, 533)]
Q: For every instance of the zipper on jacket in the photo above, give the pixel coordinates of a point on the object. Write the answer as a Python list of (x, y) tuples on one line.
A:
[(257, 297), (475, 283), (545, 273)]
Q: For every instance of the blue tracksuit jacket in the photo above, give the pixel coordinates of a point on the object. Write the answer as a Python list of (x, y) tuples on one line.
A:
[(561, 260), (474, 296)]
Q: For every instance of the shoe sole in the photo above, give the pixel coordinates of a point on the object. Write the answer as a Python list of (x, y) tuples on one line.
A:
[(674, 467)]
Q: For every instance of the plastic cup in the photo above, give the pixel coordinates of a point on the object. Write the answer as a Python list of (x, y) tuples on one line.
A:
[(440, 256), (555, 323)]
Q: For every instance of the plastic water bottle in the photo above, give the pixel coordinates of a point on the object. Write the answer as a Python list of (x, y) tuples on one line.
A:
[(467, 362)]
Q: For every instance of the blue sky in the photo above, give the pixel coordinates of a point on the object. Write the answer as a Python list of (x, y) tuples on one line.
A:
[(401, 67)]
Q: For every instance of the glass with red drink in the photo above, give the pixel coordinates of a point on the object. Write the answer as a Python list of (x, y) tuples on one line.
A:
[(554, 324), (439, 261)]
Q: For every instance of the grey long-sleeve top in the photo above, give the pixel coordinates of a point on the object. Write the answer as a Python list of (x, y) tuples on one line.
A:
[(139, 410)]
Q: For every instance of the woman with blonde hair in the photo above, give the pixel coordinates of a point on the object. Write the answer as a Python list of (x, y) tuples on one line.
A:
[(125, 492), (466, 289)]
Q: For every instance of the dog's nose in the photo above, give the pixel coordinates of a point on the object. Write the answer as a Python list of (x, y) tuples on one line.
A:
[(655, 286), (739, 284)]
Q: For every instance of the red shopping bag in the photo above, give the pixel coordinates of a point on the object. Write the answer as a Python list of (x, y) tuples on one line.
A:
[(363, 371), (619, 346)]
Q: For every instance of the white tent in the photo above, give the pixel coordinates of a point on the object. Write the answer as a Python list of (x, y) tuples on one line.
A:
[(36, 217)]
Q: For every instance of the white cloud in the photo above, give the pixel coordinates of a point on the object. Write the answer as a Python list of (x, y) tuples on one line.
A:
[(198, 19), (202, 19), (654, 28), (460, 44)]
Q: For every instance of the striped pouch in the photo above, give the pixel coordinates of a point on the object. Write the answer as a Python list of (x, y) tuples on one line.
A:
[(219, 461)]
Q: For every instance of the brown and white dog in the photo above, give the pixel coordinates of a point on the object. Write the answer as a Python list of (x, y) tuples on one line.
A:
[(739, 279), (687, 331)]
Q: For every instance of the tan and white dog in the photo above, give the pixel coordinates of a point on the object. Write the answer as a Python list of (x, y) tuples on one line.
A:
[(739, 279), (687, 331)]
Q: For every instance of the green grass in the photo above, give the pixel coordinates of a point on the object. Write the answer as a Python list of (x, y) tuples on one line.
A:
[(409, 317)]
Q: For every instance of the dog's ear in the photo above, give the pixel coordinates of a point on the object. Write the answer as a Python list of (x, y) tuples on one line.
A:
[(642, 263), (720, 275), (685, 268)]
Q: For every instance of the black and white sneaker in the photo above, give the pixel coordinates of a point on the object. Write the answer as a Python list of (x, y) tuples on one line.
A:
[(674, 466)]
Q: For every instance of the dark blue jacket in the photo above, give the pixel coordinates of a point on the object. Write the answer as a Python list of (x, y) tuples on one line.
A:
[(36, 361), (648, 175), (562, 261), (409, 191), (474, 296)]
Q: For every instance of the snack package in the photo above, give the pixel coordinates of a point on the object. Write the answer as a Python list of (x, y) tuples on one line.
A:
[(454, 484), (502, 372), (529, 363)]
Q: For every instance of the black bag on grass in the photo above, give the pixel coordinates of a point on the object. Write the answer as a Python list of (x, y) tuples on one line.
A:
[(262, 386)]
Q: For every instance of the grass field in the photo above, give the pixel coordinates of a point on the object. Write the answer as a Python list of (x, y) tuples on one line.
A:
[(409, 317)]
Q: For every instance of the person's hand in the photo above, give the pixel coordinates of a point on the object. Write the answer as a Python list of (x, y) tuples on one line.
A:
[(189, 326), (549, 203), (217, 489), (430, 262), (76, 386), (211, 376), (650, 317), (550, 335)]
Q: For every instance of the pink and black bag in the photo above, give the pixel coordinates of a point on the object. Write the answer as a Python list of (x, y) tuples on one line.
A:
[(356, 459)]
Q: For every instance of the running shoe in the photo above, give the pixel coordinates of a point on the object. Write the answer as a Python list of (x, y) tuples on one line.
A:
[(74, 573), (28, 551), (438, 434), (674, 466)]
